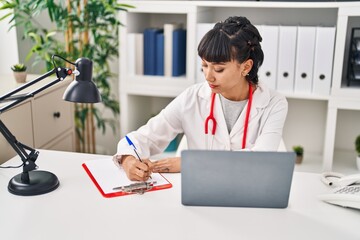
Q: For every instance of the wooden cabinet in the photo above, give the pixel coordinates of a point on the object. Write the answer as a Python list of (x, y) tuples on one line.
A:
[(43, 122), (19, 121), (52, 116)]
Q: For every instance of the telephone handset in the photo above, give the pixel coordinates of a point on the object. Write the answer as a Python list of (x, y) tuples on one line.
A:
[(346, 191), (348, 180)]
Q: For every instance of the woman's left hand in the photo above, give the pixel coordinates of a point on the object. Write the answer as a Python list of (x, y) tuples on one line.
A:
[(167, 165)]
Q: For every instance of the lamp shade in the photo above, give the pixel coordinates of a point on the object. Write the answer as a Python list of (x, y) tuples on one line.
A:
[(83, 89)]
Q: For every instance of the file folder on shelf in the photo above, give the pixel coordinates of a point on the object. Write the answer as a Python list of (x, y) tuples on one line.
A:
[(150, 60), (269, 44), (159, 54), (286, 63), (323, 61), (305, 49), (179, 52), (168, 46), (111, 181)]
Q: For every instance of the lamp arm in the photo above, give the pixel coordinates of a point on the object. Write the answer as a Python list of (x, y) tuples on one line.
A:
[(61, 74), (21, 149), (9, 96)]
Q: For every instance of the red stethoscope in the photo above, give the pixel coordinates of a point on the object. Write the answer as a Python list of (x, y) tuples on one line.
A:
[(214, 123)]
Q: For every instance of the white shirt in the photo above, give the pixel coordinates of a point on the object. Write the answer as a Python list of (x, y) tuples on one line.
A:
[(188, 111)]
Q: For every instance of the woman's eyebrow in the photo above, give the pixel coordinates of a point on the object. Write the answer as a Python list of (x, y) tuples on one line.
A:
[(218, 63)]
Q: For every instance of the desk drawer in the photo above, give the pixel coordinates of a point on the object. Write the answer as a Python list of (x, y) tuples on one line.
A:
[(18, 120), (52, 116)]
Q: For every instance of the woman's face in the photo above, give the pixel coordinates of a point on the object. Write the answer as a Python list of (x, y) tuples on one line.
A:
[(227, 78)]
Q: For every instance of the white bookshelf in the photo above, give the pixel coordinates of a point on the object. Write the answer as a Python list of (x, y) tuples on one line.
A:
[(326, 125)]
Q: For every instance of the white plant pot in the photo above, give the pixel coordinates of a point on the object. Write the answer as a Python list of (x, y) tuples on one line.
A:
[(358, 162), (20, 77)]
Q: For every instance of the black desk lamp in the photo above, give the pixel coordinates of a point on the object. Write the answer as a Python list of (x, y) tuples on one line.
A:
[(81, 90)]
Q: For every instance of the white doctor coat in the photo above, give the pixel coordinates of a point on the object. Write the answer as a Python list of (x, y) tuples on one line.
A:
[(188, 111)]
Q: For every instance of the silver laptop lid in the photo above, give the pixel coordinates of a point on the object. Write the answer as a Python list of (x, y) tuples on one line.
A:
[(236, 178)]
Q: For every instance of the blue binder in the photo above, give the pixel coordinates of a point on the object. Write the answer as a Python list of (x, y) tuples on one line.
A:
[(179, 52), (150, 50), (159, 62)]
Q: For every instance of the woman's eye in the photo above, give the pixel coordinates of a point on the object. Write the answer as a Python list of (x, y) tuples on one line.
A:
[(219, 70)]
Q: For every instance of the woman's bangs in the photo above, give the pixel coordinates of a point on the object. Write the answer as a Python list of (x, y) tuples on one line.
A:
[(214, 47)]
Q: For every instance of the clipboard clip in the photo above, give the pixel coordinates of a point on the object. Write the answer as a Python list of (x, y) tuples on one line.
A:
[(138, 188)]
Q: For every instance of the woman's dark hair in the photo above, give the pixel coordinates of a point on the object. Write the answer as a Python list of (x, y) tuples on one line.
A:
[(234, 39)]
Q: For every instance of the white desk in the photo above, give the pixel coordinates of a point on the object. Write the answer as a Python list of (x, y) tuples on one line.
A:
[(76, 210)]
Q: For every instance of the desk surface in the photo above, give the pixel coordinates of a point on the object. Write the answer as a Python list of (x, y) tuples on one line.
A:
[(76, 210)]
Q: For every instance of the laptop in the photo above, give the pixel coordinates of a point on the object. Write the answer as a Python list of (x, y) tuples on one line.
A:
[(236, 178)]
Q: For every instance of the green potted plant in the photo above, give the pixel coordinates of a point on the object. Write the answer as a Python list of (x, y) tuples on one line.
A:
[(357, 148), (84, 28), (299, 151), (19, 70)]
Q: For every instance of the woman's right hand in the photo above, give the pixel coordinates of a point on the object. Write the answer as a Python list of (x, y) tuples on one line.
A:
[(136, 170)]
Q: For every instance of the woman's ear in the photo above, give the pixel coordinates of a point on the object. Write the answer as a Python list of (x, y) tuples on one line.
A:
[(247, 65)]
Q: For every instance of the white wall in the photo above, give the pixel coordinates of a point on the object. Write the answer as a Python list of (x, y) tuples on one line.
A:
[(9, 54)]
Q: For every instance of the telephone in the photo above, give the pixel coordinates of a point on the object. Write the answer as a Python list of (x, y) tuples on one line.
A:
[(346, 191)]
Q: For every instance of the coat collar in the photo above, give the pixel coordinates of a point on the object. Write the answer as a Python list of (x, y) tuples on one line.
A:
[(261, 98)]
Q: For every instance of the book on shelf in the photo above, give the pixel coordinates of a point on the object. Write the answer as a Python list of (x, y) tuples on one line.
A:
[(159, 54), (168, 46), (131, 61), (139, 53), (135, 53), (179, 52), (150, 50)]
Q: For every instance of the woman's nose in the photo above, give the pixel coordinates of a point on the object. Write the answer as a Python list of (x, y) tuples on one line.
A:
[(209, 76)]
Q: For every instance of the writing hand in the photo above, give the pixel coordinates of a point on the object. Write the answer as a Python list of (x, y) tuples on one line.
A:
[(136, 170)]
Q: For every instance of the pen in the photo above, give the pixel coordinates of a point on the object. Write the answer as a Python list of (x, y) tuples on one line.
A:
[(134, 148), (132, 144)]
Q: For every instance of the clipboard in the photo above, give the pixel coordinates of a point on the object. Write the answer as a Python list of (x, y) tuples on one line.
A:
[(106, 176)]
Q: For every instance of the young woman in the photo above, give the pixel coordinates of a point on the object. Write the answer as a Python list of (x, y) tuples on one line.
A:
[(232, 110)]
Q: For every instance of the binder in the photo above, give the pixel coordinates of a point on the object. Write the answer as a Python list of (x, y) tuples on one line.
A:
[(269, 44), (305, 50), (159, 54), (168, 46), (150, 50), (323, 62), (111, 181), (202, 29), (286, 62), (179, 52)]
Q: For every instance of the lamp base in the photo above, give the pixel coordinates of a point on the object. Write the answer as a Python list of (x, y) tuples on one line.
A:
[(40, 182)]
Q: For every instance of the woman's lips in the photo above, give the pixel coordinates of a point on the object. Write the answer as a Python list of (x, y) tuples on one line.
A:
[(213, 86)]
